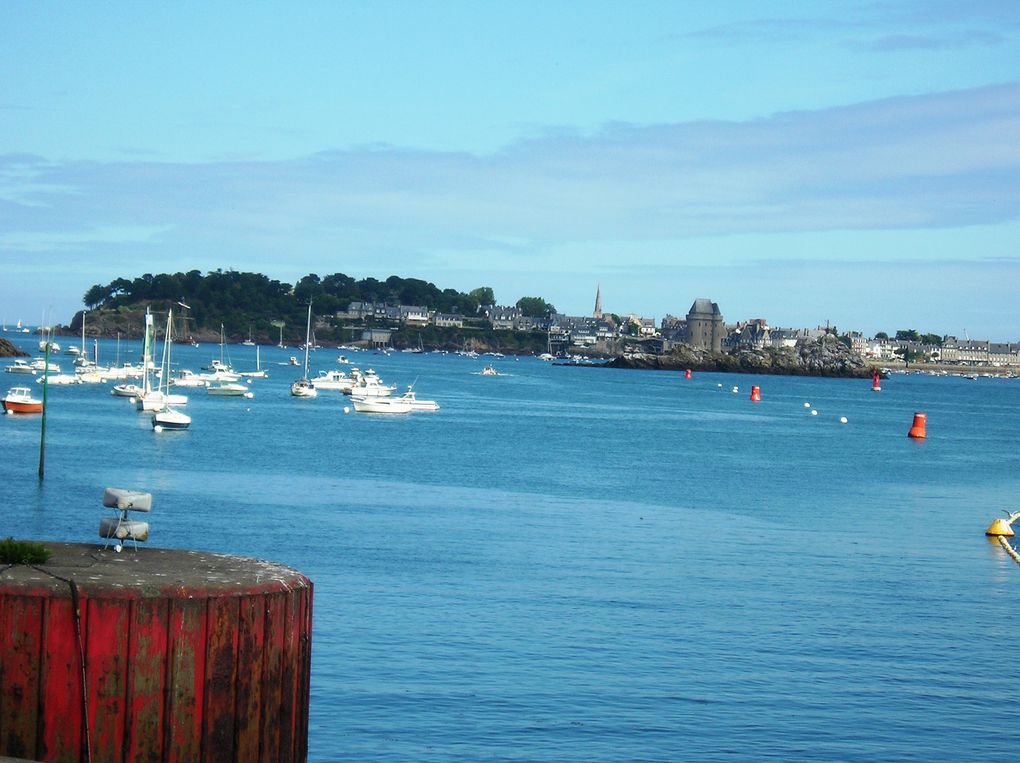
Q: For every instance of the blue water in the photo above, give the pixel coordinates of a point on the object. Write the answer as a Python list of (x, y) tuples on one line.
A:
[(569, 564)]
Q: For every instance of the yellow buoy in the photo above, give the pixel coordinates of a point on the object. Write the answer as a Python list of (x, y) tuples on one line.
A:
[(1000, 527)]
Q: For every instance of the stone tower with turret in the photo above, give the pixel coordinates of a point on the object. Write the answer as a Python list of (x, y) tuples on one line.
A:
[(705, 327)]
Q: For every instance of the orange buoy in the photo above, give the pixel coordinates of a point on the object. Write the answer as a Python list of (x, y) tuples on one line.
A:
[(917, 431), (755, 394), (688, 374)]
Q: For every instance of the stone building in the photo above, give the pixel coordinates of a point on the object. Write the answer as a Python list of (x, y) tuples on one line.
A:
[(705, 328)]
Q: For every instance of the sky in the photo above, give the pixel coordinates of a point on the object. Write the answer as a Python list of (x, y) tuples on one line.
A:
[(855, 164)]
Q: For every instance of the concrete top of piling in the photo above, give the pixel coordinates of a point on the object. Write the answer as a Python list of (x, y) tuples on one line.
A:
[(145, 572)]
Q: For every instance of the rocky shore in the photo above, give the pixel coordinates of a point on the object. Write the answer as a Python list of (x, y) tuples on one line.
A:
[(827, 356), (8, 350)]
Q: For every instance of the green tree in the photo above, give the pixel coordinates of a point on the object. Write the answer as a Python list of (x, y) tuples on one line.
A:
[(934, 339), (881, 335), (483, 295), (908, 335), (95, 296), (535, 307)]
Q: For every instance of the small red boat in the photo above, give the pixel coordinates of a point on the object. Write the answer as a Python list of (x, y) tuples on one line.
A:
[(20, 400)]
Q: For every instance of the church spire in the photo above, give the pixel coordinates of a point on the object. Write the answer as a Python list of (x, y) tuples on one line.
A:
[(597, 315)]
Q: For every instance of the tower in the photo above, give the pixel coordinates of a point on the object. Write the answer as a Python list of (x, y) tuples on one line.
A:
[(597, 314)]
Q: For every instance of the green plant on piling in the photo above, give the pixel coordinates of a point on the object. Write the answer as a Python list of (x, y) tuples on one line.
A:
[(22, 552)]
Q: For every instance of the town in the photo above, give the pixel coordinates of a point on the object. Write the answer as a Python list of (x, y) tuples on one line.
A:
[(703, 327)]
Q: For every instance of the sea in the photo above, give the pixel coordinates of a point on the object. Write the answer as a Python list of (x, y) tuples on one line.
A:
[(571, 563)]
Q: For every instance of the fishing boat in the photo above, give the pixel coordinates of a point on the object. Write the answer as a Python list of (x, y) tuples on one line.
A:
[(20, 400), (303, 387)]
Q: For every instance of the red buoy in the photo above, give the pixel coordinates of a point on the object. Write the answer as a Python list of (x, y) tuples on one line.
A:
[(755, 394), (876, 382), (688, 374), (917, 431)]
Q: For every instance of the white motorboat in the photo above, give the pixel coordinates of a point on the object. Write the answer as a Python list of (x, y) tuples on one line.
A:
[(368, 384), (126, 390), (170, 418), (416, 404), (40, 364), (380, 405), (186, 378), (337, 380), (303, 387), (20, 366), (59, 379), (229, 389)]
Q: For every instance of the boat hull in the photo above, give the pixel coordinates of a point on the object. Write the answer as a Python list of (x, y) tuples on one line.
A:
[(170, 419), (11, 406), (385, 405)]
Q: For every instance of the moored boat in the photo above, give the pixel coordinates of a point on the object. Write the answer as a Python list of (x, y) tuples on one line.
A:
[(411, 399), (170, 418), (337, 380), (229, 389), (303, 387), (380, 404), (20, 400), (20, 366)]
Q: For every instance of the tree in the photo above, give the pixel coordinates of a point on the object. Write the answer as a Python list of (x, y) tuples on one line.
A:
[(881, 335), (483, 295), (934, 339), (95, 296), (908, 335), (535, 307)]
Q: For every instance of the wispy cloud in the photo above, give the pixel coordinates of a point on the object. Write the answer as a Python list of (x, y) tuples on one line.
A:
[(941, 160), (934, 42)]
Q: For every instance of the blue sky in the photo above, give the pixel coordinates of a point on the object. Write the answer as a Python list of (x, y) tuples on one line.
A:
[(851, 163)]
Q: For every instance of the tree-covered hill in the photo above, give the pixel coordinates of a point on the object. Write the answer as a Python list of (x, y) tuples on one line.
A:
[(253, 303)]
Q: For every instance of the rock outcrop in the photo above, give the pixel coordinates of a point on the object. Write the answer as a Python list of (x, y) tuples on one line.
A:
[(827, 356), (8, 350)]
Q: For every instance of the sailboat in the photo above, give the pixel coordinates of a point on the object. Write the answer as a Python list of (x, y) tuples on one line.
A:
[(166, 417), (154, 399), (258, 373), (221, 366), (249, 342), (303, 387), (185, 336)]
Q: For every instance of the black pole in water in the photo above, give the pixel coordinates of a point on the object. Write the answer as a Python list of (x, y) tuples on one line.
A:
[(42, 434)]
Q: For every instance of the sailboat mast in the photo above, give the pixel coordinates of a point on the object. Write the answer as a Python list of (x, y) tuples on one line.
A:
[(308, 333), (147, 353)]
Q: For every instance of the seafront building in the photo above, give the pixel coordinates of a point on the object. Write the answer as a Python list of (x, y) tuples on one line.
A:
[(703, 327)]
